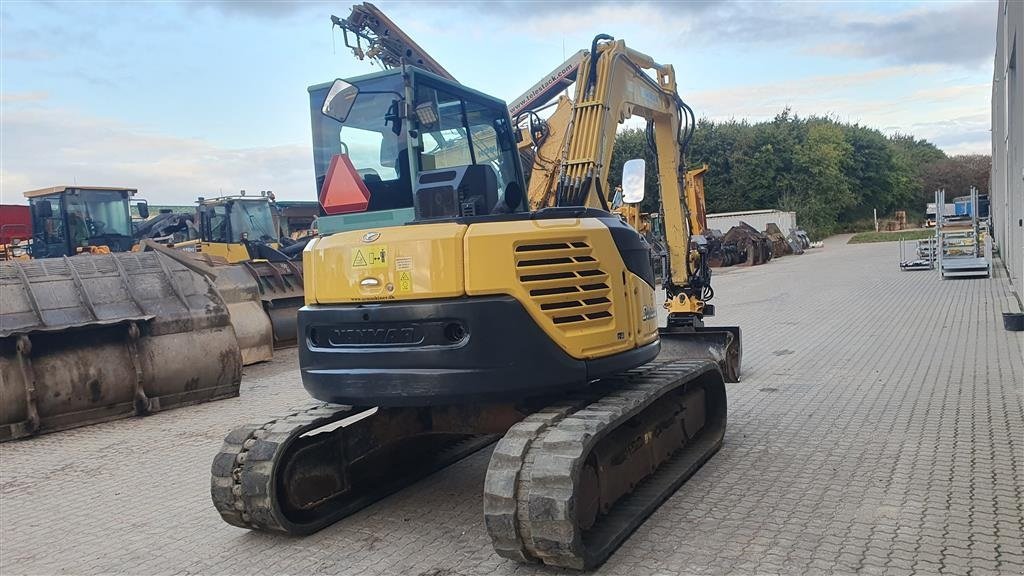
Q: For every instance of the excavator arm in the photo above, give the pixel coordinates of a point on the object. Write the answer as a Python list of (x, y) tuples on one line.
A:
[(616, 83)]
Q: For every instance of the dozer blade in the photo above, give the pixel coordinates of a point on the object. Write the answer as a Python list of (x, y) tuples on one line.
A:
[(99, 337), (720, 344)]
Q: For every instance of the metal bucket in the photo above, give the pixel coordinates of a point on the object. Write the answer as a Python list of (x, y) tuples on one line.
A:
[(95, 338), (1013, 321), (281, 291), (242, 294), (721, 344)]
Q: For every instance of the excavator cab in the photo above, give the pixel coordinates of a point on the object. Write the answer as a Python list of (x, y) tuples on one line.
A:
[(70, 220), (407, 145)]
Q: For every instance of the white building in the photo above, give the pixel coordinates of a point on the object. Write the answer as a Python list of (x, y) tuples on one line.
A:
[(1007, 186)]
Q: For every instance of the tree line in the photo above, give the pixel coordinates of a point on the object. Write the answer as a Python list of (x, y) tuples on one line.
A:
[(831, 173)]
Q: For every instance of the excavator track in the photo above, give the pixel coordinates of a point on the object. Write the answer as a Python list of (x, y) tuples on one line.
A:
[(568, 484), (309, 469)]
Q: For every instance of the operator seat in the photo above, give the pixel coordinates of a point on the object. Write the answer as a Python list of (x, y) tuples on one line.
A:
[(392, 194)]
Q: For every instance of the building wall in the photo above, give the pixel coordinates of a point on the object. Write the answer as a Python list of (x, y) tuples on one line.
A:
[(1007, 186)]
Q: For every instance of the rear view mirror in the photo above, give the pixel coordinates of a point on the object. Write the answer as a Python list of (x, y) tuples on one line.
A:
[(43, 209), (339, 101), (143, 209), (634, 173)]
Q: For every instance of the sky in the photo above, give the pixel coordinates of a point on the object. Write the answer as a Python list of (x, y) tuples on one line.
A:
[(194, 98)]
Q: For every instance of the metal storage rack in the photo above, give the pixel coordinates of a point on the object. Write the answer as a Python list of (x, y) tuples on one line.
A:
[(963, 250)]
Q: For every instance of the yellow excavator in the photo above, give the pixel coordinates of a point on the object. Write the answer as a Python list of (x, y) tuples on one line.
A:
[(449, 305)]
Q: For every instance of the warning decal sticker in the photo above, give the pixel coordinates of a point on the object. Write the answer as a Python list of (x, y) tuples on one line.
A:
[(405, 281), (370, 257)]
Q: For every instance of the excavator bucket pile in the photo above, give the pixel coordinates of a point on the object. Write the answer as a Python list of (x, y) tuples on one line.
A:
[(798, 240), (95, 338), (780, 245), (721, 253), (748, 241)]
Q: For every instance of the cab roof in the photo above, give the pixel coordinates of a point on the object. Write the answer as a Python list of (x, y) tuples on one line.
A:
[(416, 71), (60, 189)]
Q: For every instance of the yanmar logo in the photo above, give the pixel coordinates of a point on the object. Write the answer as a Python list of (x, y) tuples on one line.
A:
[(348, 337)]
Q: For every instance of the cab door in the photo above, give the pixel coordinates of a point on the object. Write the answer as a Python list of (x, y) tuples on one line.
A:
[(49, 230)]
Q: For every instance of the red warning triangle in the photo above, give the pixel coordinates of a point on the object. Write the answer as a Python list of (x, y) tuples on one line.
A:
[(343, 191)]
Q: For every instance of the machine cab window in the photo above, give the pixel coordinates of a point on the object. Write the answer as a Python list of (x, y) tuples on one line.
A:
[(466, 163), (67, 220), (412, 143), (370, 135)]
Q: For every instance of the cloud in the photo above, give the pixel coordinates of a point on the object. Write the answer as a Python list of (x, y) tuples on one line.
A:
[(60, 146), (34, 96), (541, 8), (267, 9), (869, 98), (821, 94), (28, 55), (966, 134), (949, 33), (955, 34)]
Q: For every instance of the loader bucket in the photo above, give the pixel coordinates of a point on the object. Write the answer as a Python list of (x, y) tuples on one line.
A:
[(721, 344), (94, 338), (240, 292), (281, 291)]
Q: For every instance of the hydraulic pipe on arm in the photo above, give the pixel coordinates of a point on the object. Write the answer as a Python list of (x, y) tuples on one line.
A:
[(614, 85)]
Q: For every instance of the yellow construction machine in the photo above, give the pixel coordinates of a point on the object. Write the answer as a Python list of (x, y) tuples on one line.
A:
[(447, 304), (237, 242)]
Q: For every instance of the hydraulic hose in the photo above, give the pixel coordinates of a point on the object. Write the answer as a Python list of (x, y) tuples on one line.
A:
[(592, 74)]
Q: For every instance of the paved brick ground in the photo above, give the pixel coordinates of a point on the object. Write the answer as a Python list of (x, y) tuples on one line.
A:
[(878, 430)]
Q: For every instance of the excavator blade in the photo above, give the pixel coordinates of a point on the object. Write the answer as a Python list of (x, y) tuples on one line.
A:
[(95, 338), (720, 344)]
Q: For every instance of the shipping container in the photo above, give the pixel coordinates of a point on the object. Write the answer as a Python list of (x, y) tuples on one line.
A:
[(759, 219)]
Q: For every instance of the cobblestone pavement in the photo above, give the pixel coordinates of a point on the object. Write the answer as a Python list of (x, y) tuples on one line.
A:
[(878, 429)]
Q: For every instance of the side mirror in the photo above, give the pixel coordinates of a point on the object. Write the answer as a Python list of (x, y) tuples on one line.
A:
[(143, 209), (43, 209), (339, 101), (634, 173)]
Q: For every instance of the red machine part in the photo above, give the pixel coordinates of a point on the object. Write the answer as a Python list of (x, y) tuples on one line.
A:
[(343, 191), (15, 222)]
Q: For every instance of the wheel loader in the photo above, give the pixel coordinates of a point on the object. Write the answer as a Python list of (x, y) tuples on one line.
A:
[(446, 307), (69, 220), (244, 230)]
